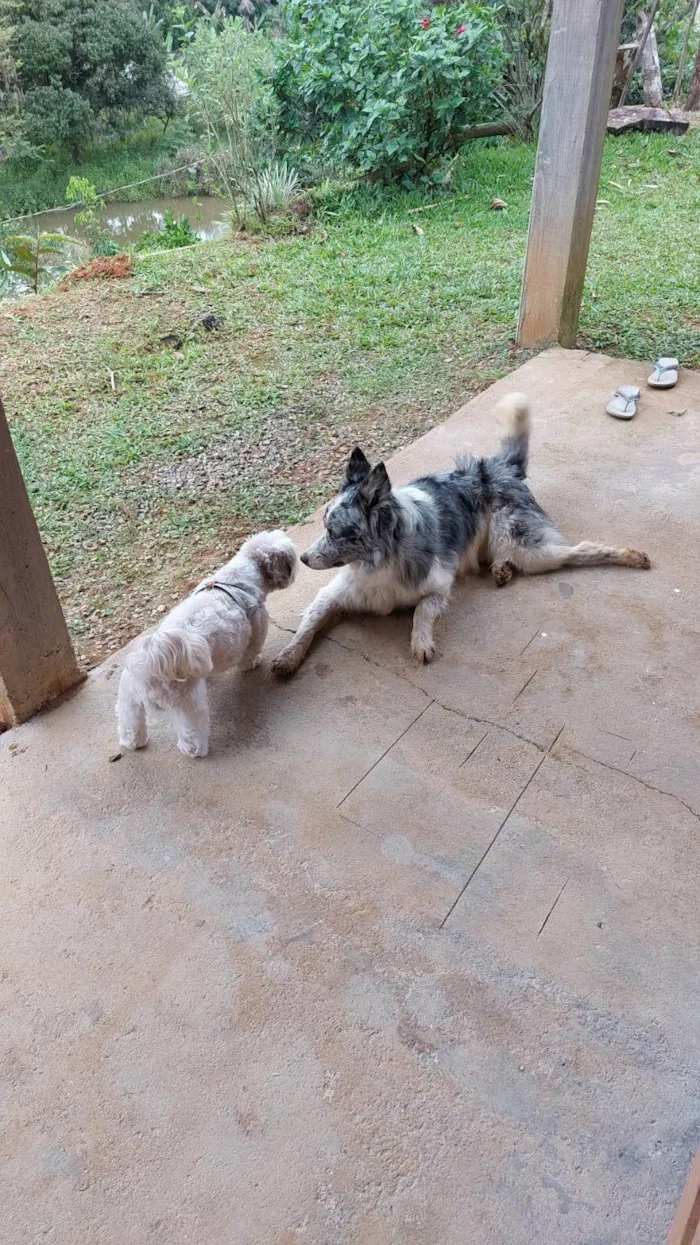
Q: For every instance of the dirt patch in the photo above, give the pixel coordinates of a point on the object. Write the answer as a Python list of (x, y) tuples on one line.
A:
[(108, 268), (292, 447)]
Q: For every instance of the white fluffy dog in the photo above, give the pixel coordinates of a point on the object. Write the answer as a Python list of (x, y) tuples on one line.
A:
[(221, 625)]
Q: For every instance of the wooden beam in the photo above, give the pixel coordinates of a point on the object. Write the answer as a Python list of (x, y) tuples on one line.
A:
[(37, 661), (578, 80), (685, 1229)]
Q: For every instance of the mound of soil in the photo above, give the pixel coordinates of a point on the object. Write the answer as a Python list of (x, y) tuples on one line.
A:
[(107, 268)]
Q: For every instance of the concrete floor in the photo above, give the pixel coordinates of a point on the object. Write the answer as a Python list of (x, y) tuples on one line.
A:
[(412, 958)]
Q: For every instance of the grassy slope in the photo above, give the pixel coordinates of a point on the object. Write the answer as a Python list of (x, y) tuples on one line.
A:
[(364, 330)]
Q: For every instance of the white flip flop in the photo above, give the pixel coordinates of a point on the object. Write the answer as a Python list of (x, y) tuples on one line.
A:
[(623, 404), (665, 374)]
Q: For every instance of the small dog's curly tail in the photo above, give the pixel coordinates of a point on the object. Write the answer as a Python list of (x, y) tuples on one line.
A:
[(514, 409), (170, 655)]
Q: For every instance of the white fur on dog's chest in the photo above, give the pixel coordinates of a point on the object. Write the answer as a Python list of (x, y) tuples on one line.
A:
[(380, 591)]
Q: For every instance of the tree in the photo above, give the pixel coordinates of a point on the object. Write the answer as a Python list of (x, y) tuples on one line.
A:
[(86, 62), (9, 77), (652, 89), (692, 103)]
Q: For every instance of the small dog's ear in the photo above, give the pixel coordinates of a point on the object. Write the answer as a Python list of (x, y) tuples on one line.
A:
[(377, 486), (358, 467), (279, 567)]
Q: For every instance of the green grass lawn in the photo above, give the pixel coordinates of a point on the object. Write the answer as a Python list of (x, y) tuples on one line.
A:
[(363, 330)]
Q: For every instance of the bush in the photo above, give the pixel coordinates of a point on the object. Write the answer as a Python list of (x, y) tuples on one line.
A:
[(386, 86), (183, 172), (173, 235)]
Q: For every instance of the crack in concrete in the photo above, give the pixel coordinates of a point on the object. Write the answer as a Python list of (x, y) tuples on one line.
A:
[(470, 754), (511, 810), (468, 717), (551, 910), (384, 753), (523, 688), (531, 641), (461, 713), (615, 769)]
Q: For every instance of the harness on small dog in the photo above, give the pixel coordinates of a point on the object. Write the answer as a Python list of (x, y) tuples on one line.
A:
[(233, 591)]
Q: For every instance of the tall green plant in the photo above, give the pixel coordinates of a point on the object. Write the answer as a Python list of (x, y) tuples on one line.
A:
[(232, 105), (34, 258), (173, 235), (82, 191), (525, 26), (387, 86)]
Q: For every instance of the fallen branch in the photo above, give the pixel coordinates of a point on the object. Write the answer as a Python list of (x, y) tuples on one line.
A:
[(489, 129)]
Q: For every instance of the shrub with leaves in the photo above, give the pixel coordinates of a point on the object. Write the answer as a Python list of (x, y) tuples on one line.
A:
[(386, 86), (174, 234)]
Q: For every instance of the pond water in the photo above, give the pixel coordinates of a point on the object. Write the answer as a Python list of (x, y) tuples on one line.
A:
[(127, 221)]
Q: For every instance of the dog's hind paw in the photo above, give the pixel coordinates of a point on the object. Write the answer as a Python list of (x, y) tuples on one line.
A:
[(287, 662), (637, 559), (502, 573)]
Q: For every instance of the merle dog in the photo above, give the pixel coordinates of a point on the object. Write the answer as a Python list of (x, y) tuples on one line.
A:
[(405, 546)]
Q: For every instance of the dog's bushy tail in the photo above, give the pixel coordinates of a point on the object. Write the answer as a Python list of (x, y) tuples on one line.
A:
[(514, 409), (172, 654)]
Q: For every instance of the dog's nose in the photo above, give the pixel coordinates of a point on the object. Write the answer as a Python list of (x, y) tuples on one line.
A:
[(305, 559)]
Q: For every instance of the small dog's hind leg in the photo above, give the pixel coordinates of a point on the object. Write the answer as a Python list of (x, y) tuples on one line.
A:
[(427, 611), (131, 714), (330, 604), (258, 630), (190, 718)]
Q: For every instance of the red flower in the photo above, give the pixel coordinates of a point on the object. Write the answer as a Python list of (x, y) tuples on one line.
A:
[(425, 23), (460, 31)]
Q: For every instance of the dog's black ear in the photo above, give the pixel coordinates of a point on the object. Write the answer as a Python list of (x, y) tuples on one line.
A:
[(377, 486), (358, 467)]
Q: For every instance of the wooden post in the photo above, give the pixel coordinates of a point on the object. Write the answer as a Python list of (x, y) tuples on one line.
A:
[(685, 1229), (578, 80), (37, 661)]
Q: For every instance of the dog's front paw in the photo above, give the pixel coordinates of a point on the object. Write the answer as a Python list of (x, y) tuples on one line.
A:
[(640, 561), (423, 651), (252, 665), (287, 662), (132, 742)]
